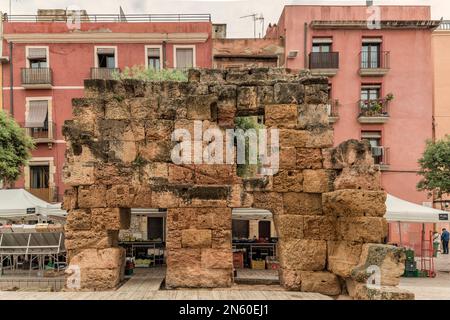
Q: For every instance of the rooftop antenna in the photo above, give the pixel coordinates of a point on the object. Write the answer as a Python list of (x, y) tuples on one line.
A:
[(255, 17), (122, 16)]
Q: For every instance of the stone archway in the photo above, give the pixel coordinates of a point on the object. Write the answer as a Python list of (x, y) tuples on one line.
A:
[(327, 204)]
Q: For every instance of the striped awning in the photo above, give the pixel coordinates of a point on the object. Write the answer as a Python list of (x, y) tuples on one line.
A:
[(37, 114), (37, 53)]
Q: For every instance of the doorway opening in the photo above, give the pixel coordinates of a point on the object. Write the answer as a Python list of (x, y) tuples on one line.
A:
[(254, 243)]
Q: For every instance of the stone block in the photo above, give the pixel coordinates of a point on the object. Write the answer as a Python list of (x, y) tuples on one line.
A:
[(316, 181), (194, 277), (302, 203), (120, 196), (216, 259), (320, 282), (343, 256), (281, 116), (359, 177), (311, 116), (294, 138), (288, 181), (353, 203), (319, 227), (158, 130), (199, 107), (180, 174), (319, 138), (289, 226), (268, 200), (362, 229), (247, 98), (308, 158), (361, 291), (111, 218), (287, 158), (289, 93), (316, 94), (389, 259), (79, 219), (290, 279), (306, 255), (92, 196), (193, 238), (265, 95)]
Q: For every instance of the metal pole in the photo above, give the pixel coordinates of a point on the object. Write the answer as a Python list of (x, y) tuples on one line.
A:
[(11, 80)]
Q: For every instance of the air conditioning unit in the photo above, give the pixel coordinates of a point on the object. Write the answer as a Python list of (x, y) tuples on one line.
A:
[(292, 54)]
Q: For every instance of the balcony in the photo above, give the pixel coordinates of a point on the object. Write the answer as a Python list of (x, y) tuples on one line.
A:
[(103, 73), (324, 63), (44, 134), (373, 111), (332, 110), (374, 66), (380, 156), (36, 78)]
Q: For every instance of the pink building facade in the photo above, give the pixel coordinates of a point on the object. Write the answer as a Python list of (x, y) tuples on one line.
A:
[(50, 60), (365, 66)]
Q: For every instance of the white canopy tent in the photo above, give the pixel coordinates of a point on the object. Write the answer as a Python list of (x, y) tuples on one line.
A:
[(19, 203), (398, 210), (251, 214)]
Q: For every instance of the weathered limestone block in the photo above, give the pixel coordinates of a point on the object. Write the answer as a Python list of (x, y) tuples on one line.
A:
[(351, 153), (92, 196), (70, 199), (289, 226), (353, 203), (199, 218), (287, 158), (316, 94), (111, 218), (247, 98), (359, 177), (116, 109), (216, 259), (319, 227), (180, 174), (156, 151), (82, 239), (290, 279), (321, 282), (290, 93), (316, 181), (120, 196), (362, 229), (196, 238), (293, 138), (215, 174), (361, 291), (307, 255), (281, 116), (312, 116), (308, 158), (302, 203), (265, 95), (99, 269), (78, 174), (343, 256), (142, 197), (199, 107), (319, 138), (389, 259), (79, 219), (239, 198), (271, 201), (221, 239), (157, 130), (288, 181), (143, 108)]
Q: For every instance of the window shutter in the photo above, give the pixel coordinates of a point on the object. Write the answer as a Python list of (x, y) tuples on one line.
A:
[(185, 58), (37, 53), (37, 114)]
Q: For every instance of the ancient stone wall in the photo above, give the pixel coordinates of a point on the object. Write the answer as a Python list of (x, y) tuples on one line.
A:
[(327, 202)]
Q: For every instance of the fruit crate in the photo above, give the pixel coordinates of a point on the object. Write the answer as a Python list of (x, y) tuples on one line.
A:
[(258, 264)]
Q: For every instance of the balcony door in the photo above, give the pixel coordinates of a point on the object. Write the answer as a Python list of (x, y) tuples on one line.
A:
[(106, 58), (321, 47), (370, 55), (39, 181)]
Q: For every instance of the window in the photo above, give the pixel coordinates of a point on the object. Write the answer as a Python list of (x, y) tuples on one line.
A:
[(155, 228), (106, 58), (240, 229), (184, 57), (370, 54), (153, 57), (37, 57), (370, 93), (322, 44), (39, 176), (374, 138), (37, 118)]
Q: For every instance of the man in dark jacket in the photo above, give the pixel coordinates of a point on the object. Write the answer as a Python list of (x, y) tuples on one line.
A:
[(444, 238)]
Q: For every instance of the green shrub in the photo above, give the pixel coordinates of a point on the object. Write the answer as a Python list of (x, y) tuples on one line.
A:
[(139, 72)]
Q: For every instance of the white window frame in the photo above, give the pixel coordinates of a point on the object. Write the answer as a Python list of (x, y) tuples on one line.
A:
[(194, 54), (47, 54), (36, 161), (161, 60), (116, 55)]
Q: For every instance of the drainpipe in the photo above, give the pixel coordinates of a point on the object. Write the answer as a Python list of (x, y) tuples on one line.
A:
[(164, 53), (305, 49), (11, 80)]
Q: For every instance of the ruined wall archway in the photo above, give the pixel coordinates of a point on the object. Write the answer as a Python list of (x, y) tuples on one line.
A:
[(326, 202)]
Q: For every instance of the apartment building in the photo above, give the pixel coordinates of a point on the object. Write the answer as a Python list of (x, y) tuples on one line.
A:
[(54, 52), (380, 79)]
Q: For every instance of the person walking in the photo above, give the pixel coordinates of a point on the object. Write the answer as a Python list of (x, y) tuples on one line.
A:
[(445, 237), (436, 242)]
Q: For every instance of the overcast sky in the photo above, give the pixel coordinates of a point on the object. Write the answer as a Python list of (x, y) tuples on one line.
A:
[(222, 11)]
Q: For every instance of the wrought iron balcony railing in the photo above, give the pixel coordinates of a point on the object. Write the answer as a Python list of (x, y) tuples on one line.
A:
[(324, 60), (36, 77), (103, 73), (370, 60), (44, 134)]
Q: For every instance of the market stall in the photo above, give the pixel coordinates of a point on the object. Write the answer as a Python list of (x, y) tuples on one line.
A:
[(18, 205), (254, 239)]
